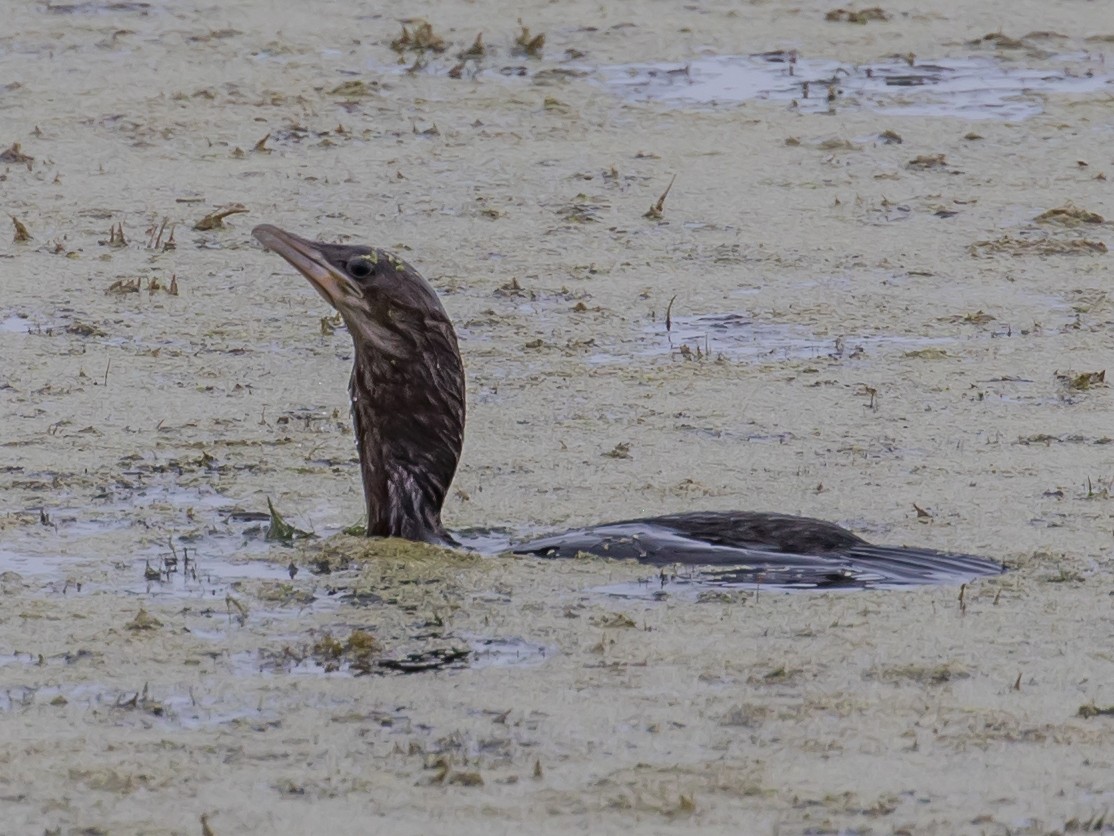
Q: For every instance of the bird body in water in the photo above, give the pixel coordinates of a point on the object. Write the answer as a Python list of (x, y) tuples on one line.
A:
[(408, 409)]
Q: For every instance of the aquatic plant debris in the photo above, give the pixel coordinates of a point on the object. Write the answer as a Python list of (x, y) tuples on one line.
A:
[(215, 219), (1069, 215), (14, 154), (143, 621), (657, 210), (859, 16), (529, 44), (1081, 381), (1011, 245), (359, 652), (281, 530), (22, 235), (419, 39)]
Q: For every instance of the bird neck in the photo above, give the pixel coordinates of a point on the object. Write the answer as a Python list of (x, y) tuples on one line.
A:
[(408, 415)]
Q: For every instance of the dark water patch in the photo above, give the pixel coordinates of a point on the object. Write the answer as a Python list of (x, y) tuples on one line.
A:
[(64, 549), (740, 584), (96, 8), (485, 540), (505, 652), (359, 653), (169, 707), (968, 88), (40, 324), (737, 336), (23, 564), (16, 324)]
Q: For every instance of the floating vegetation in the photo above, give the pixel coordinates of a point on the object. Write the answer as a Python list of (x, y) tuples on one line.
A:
[(282, 531), (358, 653), (115, 236), (361, 653), (657, 211), (927, 161), (1073, 438), (22, 235), (143, 621), (329, 324), (14, 154), (619, 451), (583, 209), (358, 529), (83, 329), (1010, 245), (123, 286), (979, 317), (353, 89), (141, 701), (932, 674), (528, 44), (215, 219), (1081, 381), (862, 16), (476, 50), (1087, 712), (1069, 215), (927, 354), (155, 236), (421, 39), (420, 42)]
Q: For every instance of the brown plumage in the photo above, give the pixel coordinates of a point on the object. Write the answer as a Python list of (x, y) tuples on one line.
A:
[(408, 407), (407, 384)]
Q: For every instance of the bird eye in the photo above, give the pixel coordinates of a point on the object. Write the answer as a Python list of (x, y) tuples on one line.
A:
[(360, 268)]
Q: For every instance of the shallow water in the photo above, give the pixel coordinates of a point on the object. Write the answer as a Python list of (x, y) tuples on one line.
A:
[(738, 337), (970, 88)]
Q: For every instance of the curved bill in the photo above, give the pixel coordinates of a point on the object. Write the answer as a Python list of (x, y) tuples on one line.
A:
[(307, 257)]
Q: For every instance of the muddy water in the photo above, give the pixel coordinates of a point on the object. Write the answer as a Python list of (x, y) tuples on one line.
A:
[(882, 327)]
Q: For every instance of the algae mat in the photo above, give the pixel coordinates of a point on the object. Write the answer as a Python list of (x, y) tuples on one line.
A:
[(885, 249)]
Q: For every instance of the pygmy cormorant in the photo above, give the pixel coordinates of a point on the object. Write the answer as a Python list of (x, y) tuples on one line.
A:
[(408, 408)]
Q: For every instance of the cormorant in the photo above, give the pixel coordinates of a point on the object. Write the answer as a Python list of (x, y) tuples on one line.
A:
[(408, 408)]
